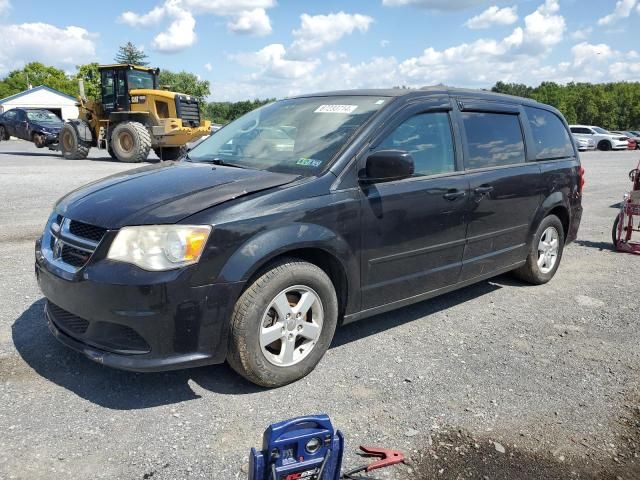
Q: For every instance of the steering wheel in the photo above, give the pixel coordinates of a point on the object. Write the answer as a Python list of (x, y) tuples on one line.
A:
[(252, 126)]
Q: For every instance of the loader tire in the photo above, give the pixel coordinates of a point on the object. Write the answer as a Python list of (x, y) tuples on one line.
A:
[(170, 153), (130, 142), (72, 145)]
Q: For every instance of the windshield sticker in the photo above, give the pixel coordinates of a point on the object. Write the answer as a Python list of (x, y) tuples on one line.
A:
[(379, 102), (308, 162), (335, 109)]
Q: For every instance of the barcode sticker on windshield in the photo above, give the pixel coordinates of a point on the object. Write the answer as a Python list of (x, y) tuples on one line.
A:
[(335, 109)]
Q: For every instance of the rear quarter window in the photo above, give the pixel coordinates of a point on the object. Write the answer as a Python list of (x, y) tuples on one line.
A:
[(493, 140), (550, 137)]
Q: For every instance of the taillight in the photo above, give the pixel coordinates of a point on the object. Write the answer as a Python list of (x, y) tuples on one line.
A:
[(581, 181)]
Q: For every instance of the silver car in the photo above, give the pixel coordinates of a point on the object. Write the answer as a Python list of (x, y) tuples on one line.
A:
[(584, 143)]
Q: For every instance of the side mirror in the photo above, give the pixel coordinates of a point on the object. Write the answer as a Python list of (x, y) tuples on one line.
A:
[(388, 165)]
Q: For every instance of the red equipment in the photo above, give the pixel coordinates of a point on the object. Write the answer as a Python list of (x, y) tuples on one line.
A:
[(628, 220), (387, 458)]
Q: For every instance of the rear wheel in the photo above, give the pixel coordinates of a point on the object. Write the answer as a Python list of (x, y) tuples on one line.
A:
[(72, 145), (170, 153), (604, 145), (130, 142), (283, 323), (545, 252)]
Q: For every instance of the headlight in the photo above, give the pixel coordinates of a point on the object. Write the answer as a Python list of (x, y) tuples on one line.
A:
[(160, 247)]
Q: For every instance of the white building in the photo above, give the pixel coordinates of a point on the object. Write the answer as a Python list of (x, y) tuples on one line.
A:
[(59, 103)]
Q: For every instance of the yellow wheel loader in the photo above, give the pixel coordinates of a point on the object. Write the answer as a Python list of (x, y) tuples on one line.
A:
[(133, 117)]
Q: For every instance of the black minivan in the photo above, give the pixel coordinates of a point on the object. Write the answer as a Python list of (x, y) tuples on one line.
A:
[(308, 213)]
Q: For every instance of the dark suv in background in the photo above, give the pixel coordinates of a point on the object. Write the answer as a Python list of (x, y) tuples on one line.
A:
[(256, 246)]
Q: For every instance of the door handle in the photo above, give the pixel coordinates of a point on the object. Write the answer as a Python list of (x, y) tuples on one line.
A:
[(483, 190), (454, 194)]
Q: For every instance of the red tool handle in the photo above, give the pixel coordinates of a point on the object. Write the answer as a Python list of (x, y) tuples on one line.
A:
[(387, 457)]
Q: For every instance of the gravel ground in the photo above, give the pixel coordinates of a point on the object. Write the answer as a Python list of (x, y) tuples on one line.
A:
[(549, 373)]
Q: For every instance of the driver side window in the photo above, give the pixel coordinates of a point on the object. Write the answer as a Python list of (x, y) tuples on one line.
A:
[(427, 137)]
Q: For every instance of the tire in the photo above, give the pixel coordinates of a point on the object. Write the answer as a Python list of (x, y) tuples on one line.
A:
[(604, 145), (170, 153), (111, 153), (255, 311), (71, 144), (130, 142), (38, 140), (614, 232), (3, 133), (532, 272)]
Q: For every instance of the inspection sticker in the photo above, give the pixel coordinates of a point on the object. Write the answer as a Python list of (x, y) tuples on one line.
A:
[(335, 109), (308, 162)]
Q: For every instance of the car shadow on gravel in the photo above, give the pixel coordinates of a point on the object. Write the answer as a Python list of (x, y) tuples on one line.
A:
[(386, 321), (108, 387)]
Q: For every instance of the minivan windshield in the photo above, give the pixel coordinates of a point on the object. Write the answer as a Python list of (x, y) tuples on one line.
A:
[(298, 135)]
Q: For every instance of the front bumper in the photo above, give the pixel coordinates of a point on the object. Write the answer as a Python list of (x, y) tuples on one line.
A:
[(141, 326)]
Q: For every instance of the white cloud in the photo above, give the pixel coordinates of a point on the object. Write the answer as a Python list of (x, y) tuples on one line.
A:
[(585, 53), (225, 7), (251, 22), (385, 43), (582, 33), (543, 28), (434, 4), (5, 6), (319, 30), (61, 47), (494, 16), (151, 18), (246, 17), (622, 10), (272, 63), (208, 67), (181, 32)]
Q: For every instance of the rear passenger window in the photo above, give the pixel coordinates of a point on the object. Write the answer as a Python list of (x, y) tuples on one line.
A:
[(427, 137), (493, 139), (550, 136)]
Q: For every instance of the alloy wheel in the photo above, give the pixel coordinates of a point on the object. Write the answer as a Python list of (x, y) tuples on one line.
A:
[(291, 326)]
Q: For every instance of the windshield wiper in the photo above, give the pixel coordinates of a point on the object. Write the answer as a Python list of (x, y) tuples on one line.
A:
[(217, 161)]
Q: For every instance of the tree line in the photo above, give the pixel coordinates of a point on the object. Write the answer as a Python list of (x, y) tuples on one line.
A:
[(614, 106)]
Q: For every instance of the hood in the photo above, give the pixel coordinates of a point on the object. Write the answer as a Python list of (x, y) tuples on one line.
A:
[(163, 193), (52, 127)]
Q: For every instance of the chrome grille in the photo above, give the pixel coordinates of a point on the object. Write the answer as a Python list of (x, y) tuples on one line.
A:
[(188, 110), (70, 243)]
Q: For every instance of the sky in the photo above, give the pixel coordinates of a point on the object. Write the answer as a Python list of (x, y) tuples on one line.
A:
[(275, 48)]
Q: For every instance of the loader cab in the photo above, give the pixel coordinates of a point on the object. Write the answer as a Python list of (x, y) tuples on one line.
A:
[(118, 80)]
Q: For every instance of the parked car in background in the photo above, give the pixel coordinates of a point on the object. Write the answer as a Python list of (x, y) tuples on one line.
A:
[(584, 143), (36, 125), (634, 138), (604, 139), (303, 214)]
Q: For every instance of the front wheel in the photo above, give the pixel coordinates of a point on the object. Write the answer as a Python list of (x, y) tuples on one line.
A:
[(604, 146), (545, 252), (283, 323), (615, 234), (170, 153), (72, 145), (4, 135), (130, 142)]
